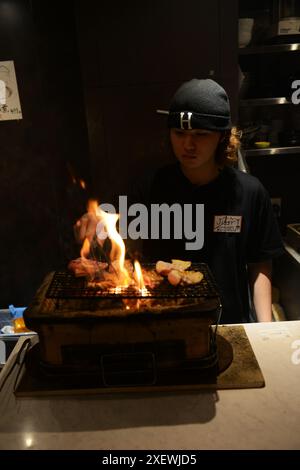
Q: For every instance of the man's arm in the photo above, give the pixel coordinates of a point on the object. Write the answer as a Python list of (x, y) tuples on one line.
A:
[(260, 275)]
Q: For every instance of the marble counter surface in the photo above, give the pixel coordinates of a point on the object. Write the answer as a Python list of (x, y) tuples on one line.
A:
[(265, 418)]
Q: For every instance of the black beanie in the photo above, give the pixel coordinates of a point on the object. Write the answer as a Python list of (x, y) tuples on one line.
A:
[(200, 104)]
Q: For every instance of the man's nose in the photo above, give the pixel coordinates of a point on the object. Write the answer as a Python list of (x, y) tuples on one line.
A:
[(189, 142)]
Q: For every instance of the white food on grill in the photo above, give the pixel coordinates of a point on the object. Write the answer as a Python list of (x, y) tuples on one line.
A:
[(177, 274), (192, 277), (181, 265), (174, 277), (163, 268)]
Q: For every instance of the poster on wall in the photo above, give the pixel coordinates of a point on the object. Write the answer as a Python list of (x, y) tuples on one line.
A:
[(10, 107)]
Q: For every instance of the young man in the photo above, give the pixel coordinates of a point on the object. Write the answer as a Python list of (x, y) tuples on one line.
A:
[(240, 232)]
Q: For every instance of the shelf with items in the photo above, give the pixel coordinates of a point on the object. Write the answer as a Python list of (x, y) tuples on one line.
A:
[(269, 83), (270, 130), (269, 49), (269, 114), (270, 151), (265, 101)]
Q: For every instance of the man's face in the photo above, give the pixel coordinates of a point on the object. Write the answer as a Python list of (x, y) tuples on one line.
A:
[(195, 148)]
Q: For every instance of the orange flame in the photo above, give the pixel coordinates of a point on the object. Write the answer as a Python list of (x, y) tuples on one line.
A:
[(82, 184), (117, 254), (108, 227), (138, 275), (85, 249), (74, 178)]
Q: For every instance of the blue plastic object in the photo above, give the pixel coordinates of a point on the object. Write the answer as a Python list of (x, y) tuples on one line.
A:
[(16, 312)]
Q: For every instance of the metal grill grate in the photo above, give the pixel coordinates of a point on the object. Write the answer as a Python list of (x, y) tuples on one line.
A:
[(65, 286)]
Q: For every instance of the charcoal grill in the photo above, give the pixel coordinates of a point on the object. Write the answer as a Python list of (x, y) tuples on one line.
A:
[(127, 338)]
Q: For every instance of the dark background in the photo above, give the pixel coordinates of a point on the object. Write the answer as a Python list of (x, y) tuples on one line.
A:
[(38, 199), (269, 75), (90, 77)]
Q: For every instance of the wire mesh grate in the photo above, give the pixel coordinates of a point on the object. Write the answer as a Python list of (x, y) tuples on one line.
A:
[(65, 285)]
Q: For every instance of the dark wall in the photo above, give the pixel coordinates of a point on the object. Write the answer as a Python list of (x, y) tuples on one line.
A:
[(134, 55), (39, 202)]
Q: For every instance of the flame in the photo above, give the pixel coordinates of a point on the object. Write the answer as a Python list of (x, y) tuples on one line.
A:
[(84, 252), (85, 249), (117, 254), (107, 226), (138, 275), (82, 184), (116, 290), (74, 178)]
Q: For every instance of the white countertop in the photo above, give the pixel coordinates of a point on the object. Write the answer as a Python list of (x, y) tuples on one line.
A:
[(265, 418)]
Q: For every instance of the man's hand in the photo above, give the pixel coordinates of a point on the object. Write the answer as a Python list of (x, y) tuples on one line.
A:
[(85, 227)]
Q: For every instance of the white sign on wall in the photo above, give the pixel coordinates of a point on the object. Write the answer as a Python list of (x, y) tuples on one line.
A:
[(10, 107)]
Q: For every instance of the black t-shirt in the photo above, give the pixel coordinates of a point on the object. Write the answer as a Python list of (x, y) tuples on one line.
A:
[(239, 228)]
